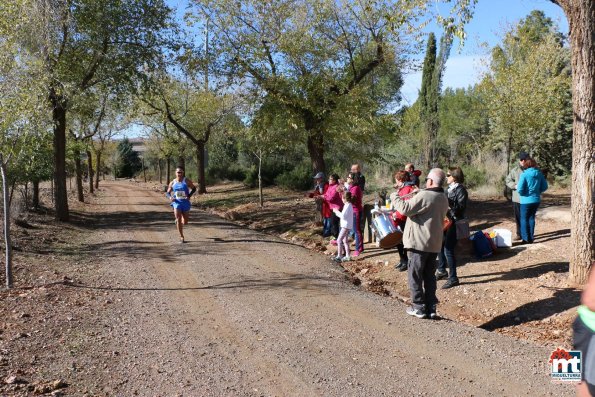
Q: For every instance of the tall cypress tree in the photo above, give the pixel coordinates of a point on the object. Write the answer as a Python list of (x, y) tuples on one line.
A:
[(429, 96)]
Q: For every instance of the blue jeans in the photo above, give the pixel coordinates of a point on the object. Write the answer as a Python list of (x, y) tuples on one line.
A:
[(357, 232), (447, 253), (326, 227), (528, 212)]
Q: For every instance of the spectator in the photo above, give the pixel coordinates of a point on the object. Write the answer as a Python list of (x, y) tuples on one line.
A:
[(531, 185), (423, 240), (332, 197), (356, 201), (413, 174), (356, 170), (403, 191), (346, 219), (512, 179), (457, 204), (321, 205)]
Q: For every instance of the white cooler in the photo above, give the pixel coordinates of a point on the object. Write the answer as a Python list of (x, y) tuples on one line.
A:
[(503, 238)]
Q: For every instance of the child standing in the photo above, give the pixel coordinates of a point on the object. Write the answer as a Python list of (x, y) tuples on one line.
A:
[(346, 223)]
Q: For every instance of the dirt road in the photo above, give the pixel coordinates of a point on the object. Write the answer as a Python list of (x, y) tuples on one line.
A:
[(235, 312)]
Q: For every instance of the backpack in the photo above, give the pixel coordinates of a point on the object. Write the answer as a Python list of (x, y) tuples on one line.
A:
[(482, 245)]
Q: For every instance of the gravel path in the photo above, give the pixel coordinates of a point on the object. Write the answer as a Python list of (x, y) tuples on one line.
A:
[(235, 312)]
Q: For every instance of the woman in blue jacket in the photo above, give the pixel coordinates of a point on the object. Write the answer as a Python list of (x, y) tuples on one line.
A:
[(531, 184)]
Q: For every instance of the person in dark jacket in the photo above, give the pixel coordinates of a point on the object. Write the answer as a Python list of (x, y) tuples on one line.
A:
[(356, 169), (457, 204)]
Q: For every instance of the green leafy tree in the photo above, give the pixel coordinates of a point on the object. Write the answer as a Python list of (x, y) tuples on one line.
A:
[(320, 60), (23, 116), (194, 112), (528, 93), (129, 162), (88, 42)]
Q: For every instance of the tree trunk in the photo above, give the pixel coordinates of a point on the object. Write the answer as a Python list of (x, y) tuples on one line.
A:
[(98, 168), (35, 198), (316, 150), (200, 164), (181, 161), (144, 169), (90, 170), (60, 191), (79, 176), (168, 170), (581, 17), (260, 196), (7, 244), (160, 171)]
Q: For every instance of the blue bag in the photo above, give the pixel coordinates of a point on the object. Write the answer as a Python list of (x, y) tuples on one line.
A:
[(482, 246)]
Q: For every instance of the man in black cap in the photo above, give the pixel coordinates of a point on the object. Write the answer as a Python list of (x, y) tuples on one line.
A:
[(511, 181)]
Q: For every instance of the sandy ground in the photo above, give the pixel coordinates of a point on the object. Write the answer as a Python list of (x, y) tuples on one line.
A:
[(114, 305)]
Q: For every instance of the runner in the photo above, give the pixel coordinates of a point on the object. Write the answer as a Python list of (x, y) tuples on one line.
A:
[(178, 194)]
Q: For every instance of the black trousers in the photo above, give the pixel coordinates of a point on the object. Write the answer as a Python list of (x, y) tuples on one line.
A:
[(516, 210)]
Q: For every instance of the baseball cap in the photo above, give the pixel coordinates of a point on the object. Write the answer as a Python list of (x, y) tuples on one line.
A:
[(319, 175), (523, 155)]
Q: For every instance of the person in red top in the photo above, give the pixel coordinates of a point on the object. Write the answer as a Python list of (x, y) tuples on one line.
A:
[(413, 174), (402, 190), (332, 198), (325, 210), (358, 208)]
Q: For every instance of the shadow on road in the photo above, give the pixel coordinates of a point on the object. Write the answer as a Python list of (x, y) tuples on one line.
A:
[(526, 272), (563, 299), (296, 282)]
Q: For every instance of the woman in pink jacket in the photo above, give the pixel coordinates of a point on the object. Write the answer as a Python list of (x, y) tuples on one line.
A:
[(332, 198), (356, 201)]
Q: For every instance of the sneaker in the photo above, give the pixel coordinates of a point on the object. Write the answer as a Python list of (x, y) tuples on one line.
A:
[(333, 242), (355, 253), (345, 259), (402, 266), (336, 259), (432, 312), (415, 312), (450, 283), (440, 275)]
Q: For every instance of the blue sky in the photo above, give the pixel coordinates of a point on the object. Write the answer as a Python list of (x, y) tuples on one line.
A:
[(491, 18)]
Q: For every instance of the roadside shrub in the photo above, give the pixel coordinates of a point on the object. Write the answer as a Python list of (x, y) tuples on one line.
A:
[(474, 177), (220, 173), (269, 172), (298, 178)]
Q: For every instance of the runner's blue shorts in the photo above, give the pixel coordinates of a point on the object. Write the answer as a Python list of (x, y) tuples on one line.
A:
[(182, 205)]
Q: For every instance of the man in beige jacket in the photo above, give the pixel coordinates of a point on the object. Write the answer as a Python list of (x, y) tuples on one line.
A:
[(422, 238)]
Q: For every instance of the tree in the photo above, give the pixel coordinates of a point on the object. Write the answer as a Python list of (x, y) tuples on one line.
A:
[(129, 162), (194, 112), (22, 121), (527, 93), (320, 59), (84, 43), (581, 18)]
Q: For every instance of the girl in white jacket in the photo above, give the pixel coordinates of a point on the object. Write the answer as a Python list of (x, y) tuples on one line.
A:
[(346, 223)]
